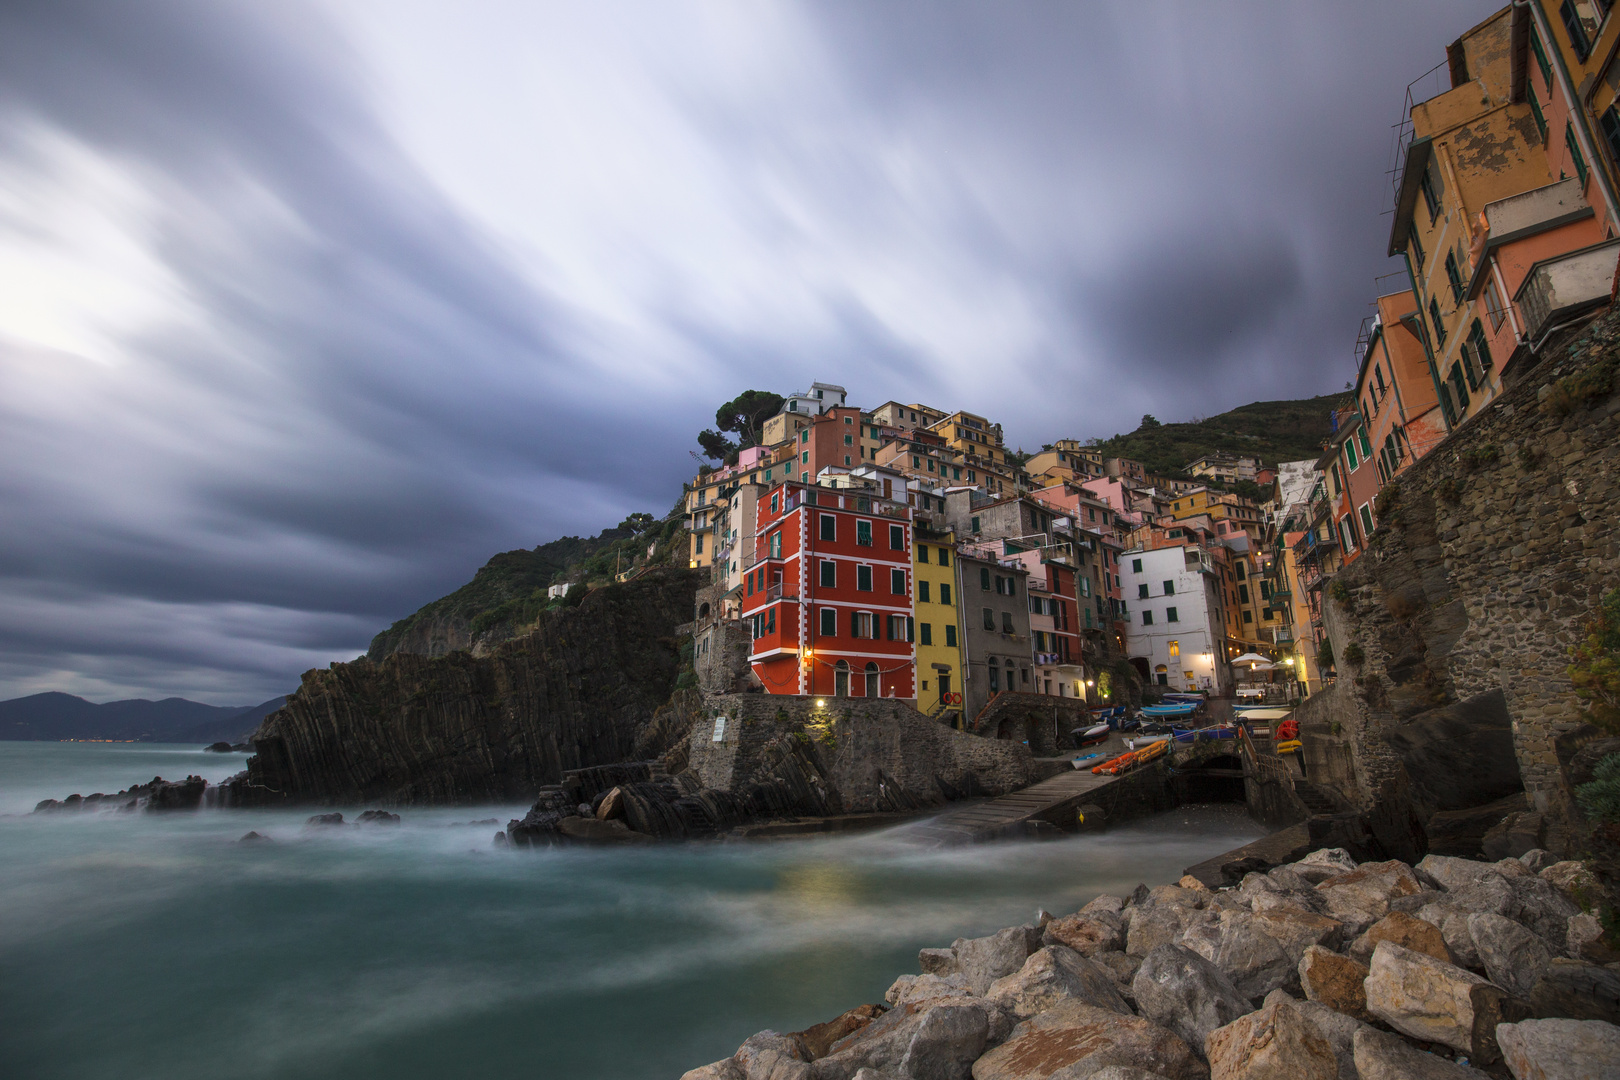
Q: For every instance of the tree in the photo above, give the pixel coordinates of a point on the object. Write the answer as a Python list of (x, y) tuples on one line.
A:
[(746, 414), (637, 523), (1149, 422), (715, 445), (1248, 489)]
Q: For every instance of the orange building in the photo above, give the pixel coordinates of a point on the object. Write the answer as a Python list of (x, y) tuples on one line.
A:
[(1395, 389)]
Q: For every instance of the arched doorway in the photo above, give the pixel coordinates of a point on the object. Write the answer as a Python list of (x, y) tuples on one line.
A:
[(1161, 675), (1141, 665), (871, 679), (841, 679)]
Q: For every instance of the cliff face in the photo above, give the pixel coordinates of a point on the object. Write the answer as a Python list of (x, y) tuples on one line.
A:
[(1489, 556), (575, 692)]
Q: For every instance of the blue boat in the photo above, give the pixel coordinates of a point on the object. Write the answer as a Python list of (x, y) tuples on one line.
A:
[(1169, 710)]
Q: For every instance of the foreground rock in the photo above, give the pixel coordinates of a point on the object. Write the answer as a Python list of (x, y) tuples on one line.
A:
[(1275, 1043), (1077, 1040), (1561, 1049), (1381, 1056), (1186, 993), (1434, 1001), (1054, 976)]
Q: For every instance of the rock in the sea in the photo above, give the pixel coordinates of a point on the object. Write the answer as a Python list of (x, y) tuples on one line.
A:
[(1512, 956), (984, 960), (1334, 980), (611, 806), (1434, 1001), (1561, 1049), (939, 1041), (1382, 1056), (1081, 1041), (377, 817), (324, 820), (1403, 929), (1576, 990), (218, 748), (254, 838), (1053, 976), (818, 1040), (1186, 993), (1369, 888), (1275, 1043), (186, 794), (590, 830), (1087, 934)]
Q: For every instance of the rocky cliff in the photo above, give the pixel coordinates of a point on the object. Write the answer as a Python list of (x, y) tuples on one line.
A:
[(574, 692), (1453, 630)]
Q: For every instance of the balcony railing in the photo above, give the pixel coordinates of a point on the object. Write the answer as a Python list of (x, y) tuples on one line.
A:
[(1558, 289), (775, 592)]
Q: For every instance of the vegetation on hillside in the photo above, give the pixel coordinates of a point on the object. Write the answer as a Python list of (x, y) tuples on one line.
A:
[(744, 416), (1596, 668), (1273, 431)]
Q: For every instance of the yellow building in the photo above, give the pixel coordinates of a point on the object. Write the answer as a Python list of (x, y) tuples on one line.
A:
[(784, 426), (1229, 512), (939, 628), (984, 459), (1067, 462)]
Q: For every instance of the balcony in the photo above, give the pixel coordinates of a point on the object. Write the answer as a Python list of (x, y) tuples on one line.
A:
[(1556, 290), (775, 593)]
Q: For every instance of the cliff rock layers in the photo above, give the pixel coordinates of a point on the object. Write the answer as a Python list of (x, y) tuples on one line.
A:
[(575, 692)]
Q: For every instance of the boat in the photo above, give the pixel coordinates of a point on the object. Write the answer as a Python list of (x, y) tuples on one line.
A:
[(1158, 749), (1196, 699), (1147, 740), (1260, 712), (1290, 747), (1080, 762), (1184, 709), (1113, 765), (1091, 735)]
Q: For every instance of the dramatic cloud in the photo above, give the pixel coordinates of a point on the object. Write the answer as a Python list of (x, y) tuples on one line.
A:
[(308, 308)]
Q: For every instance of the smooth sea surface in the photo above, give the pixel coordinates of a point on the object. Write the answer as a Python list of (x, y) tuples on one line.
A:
[(146, 945)]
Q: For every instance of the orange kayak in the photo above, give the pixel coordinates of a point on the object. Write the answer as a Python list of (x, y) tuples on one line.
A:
[(1113, 765)]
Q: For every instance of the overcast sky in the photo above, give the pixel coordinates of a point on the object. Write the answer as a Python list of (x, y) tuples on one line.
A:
[(306, 309)]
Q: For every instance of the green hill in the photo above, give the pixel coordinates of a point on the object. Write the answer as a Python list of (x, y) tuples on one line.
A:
[(1273, 431)]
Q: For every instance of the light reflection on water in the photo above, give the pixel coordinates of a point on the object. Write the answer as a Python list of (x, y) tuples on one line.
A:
[(138, 945)]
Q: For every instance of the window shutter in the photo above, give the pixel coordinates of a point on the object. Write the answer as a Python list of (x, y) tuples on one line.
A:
[(854, 624)]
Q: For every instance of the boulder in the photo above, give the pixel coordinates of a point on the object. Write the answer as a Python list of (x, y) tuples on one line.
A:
[(1576, 990), (1322, 864), (1369, 888), (1260, 951), (1517, 834), (818, 1040), (1080, 1041), (1087, 934), (924, 987), (1268, 892), (1543, 907), (1453, 874), (1453, 923), (1512, 956), (1186, 993), (1121, 968), (611, 806), (1583, 940), (1434, 1001), (1334, 981), (1163, 923), (377, 817), (590, 830), (1572, 879), (1512, 868), (937, 961), (1561, 1049), (981, 961), (1402, 929), (254, 838), (1536, 860), (930, 1041), (1382, 1056), (1113, 905), (1275, 1043), (1053, 976), (773, 1056), (1107, 1072), (1337, 1029), (720, 1070), (322, 821), (1411, 905)]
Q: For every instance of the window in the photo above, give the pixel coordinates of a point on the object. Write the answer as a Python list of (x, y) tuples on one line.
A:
[(804, 435), (1482, 349), (922, 553), (860, 625), (863, 533), (1366, 519), (829, 574), (1136, 566), (1350, 453), (1578, 27), (944, 593), (1147, 618), (950, 635), (1175, 648), (1248, 616), (995, 678), (944, 555), (804, 458), (1416, 246), (1434, 317), (984, 578), (829, 622), (1535, 111), (1541, 57), (1346, 535), (829, 527), (1169, 588), (1609, 124), (863, 578), (922, 594), (989, 619), (974, 525), (846, 459), (925, 633), (776, 544), (895, 628), (1459, 384), (897, 582), (1431, 187), (770, 619), (1454, 277), (698, 548), (849, 440), (1006, 622), (1170, 615), (1575, 154), (1243, 594), (897, 538)]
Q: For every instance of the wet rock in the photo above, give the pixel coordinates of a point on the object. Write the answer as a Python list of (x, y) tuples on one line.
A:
[(773, 1056), (322, 821), (1053, 976), (589, 830), (186, 794), (1583, 939), (1577, 991), (1402, 929), (1382, 1056), (1334, 981), (254, 838), (1561, 1049), (1335, 1028), (1433, 1001), (1087, 934), (1186, 993), (218, 748), (933, 1041), (1260, 951), (1080, 1041), (984, 960), (1369, 888), (1512, 956), (377, 817), (818, 1040), (1275, 1043)]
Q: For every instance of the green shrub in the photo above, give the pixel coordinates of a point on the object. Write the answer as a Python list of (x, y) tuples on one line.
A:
[(1340, 592), (1600, 799), (1583, 388), (1476, 457), (1353, 654), (1596, 670), (1324, 655)]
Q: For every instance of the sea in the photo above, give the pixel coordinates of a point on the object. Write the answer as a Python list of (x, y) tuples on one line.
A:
[(158, 945)]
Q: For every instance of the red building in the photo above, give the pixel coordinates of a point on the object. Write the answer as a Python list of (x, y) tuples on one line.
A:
[(828, 593)]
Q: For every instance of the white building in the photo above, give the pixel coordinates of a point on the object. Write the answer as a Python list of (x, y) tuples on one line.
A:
[(1175, 637), (815, 401)]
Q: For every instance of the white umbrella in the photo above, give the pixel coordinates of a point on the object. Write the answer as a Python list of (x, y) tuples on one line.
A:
[(1251, 658)]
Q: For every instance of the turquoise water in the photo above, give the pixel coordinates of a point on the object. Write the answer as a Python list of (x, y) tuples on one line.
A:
[(137, 945)]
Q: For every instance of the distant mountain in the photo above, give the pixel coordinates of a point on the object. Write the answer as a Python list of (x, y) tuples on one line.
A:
[(1272, 431), (54, 716)]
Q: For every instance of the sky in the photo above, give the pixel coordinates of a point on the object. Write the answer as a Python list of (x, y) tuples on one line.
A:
[(308, 307)]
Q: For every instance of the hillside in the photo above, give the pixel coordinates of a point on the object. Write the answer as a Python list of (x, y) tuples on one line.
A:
[(1270, 430), (55, 716)]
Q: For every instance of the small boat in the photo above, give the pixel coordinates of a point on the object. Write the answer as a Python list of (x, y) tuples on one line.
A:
[(1185, 709), (1113, 765), (1147, 740), (1196, 699), (1260, 712), (1290, 747), (1158, 749), (1080, 762), (1092, 735)]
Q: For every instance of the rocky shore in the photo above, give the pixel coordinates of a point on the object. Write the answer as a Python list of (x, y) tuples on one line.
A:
[(1321, 969)]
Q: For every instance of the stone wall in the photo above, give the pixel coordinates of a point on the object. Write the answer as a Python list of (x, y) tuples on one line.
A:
[(1040, 721), (1452, 631)]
